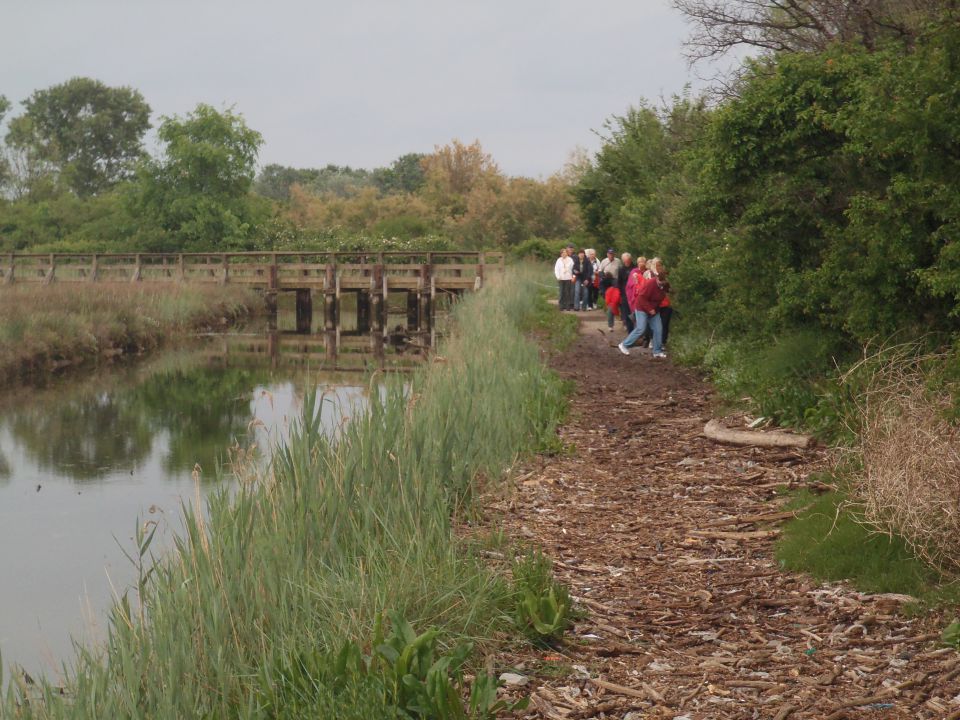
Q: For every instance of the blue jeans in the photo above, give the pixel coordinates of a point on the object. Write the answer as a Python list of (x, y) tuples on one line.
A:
[(641, 319), (581, 296)]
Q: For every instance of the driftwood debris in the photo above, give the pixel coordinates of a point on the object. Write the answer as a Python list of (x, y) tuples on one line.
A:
[(718, 433)]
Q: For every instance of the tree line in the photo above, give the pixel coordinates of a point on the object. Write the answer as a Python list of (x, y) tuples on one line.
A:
[(815, 205), (75, 177), (823, 190)]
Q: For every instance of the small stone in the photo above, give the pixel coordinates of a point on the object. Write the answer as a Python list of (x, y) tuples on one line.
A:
[(513, 679)]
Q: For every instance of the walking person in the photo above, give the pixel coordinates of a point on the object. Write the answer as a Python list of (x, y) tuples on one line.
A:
[(645, 296), (583, 273), (665, 310), (563, 270), (623, 274)]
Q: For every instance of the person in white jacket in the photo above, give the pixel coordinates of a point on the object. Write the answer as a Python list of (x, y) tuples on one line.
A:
[(563, 270)]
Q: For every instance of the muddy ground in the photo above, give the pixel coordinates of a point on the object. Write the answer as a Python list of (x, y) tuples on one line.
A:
[(666, 540)]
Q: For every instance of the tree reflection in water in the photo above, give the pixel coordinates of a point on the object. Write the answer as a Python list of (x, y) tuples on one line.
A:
[(189, 412)]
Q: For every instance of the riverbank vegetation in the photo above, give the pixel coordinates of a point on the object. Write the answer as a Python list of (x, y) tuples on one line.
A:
[(337, 582), (807, 211), (75, 177), (55, 326)]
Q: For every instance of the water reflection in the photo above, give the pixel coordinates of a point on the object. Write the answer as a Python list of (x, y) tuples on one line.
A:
[(82, 459)]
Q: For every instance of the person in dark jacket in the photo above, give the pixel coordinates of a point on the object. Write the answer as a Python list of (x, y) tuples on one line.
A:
[(583, 274)]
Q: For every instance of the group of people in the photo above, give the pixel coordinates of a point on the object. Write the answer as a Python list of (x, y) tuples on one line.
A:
[(636, 292)]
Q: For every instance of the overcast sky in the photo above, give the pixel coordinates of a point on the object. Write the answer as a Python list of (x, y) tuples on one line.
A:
[(361, 82)]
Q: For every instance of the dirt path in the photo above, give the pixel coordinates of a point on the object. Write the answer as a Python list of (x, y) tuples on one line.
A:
[(649, 524)]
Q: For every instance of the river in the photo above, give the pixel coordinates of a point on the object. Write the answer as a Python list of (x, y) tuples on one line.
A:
[(86, 458)]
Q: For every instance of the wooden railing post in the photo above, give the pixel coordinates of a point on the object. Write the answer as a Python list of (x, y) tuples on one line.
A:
[(181, 270), (376, 297), (8, 275), (48, 278), (481, 258), (94, 268), (135, 275), (330, 296), (224, 268)]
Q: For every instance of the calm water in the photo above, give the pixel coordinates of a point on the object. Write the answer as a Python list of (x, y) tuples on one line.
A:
[(82, 459)]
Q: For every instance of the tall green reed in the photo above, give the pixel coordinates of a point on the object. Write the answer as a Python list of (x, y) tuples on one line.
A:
[(309, 555)]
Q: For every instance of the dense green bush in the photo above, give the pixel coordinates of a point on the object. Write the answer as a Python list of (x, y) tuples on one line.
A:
[(813, 211)]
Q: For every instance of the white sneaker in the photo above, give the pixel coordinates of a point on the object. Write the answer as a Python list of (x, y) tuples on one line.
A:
[(622, 349), (660, 356)]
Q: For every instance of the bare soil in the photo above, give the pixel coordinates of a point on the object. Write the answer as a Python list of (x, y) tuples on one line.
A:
[(666, 540)]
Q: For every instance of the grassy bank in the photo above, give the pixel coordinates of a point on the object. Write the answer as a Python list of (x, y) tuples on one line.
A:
[(46, 328), (273, 603)]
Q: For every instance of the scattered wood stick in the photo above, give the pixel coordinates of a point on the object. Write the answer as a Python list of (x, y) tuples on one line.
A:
[(730, 535), (718, 433), (763, 517), (624, 690), (785, 712)]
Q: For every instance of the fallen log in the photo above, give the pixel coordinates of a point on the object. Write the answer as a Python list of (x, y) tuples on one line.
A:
[(718, 433)]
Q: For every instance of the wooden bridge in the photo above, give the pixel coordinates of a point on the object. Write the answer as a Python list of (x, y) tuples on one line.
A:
[(371, 275)]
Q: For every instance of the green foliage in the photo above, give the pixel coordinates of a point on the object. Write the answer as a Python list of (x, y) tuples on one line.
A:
[(90, 134), (543, 606), (538, 249), (406, 676), (407, 227), (811, 213), (951, 635), (405, 175), (828, 541), (196, 196)]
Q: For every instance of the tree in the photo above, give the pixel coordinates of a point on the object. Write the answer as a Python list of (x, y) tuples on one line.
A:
[(802, 25), (90, 134), (197, 193), (405, 175)]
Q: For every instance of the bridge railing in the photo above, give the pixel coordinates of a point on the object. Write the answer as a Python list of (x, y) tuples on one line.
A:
[(262, 269)]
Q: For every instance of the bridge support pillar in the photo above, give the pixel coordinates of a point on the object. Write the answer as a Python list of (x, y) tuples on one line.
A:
[(304, 310), (330, 297), (426, 299), (377, 299), (413, 310), (330, 338), (363, 311)]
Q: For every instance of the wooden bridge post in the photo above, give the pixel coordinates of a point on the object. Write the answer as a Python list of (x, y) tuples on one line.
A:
[(330, 339), (363, 311), (181, 270), (413, 310), (8, 275), (304, 310), (330, 297), (479, 281), (426, 306), (273, 347), (376, 298), (135, 276), (48, 278), (224, 269), (94, 268)]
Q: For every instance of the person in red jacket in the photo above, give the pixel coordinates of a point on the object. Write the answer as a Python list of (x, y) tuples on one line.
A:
[(644, 302)]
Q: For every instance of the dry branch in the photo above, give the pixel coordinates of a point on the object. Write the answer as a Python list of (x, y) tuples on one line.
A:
[(718, 433)]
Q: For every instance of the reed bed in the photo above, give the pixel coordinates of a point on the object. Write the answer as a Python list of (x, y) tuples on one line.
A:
[(288, 566), (52, 326)]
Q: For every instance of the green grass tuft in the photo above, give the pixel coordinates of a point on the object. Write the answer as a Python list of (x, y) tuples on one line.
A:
[(827, 542)]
